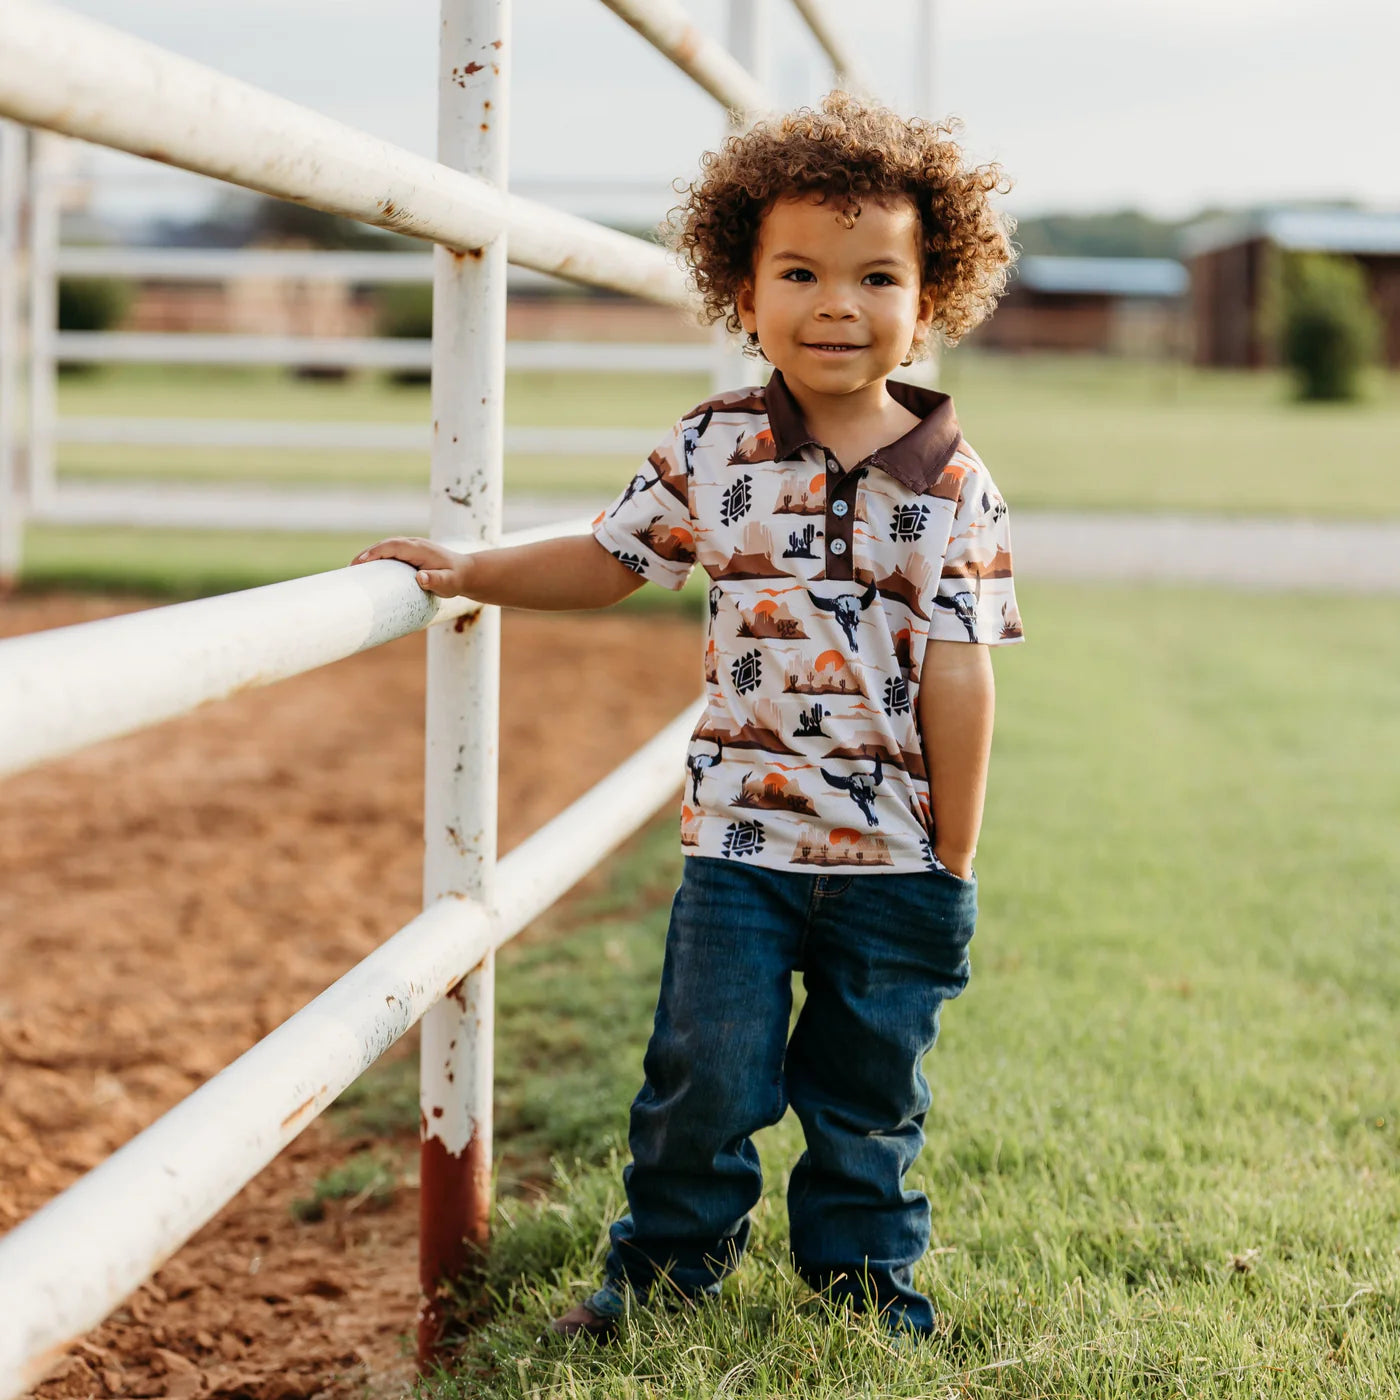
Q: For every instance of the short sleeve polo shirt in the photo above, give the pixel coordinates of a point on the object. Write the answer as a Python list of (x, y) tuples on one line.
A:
[(825, 588)]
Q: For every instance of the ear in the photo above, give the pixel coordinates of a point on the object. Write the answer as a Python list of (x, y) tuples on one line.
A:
[(923, 323), (743, 304)]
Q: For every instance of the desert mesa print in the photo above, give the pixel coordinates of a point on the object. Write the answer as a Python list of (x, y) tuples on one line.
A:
[(826, 585)]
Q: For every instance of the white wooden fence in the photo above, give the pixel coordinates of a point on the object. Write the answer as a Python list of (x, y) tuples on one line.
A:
[(63, 1270)]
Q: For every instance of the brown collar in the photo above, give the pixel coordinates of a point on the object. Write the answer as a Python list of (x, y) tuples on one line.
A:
[(915, 460)]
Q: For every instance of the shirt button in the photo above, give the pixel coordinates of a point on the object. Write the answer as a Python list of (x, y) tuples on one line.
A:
[(839, 507), (838, 546)]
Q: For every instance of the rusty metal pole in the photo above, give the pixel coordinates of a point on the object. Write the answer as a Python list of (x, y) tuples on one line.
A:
[(469, 313)]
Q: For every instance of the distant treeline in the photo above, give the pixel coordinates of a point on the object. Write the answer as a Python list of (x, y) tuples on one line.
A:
[(1124, 234), (239, 219)]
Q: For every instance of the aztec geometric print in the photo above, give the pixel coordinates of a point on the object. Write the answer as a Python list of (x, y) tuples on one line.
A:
[(824, 588)]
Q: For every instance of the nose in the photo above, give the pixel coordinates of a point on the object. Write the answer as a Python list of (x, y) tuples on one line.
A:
[(837, 305)]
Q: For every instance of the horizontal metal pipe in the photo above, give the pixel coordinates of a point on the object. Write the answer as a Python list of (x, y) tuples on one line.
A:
[(66, 1267), (309, 510), (365, 352), (344, 437), (848, 69), (193, 348), (65, 73), (66, 688), (632, 358), (666, 26), (236, 264)]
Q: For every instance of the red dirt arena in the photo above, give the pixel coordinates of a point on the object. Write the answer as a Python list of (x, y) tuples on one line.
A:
[(168, 898)]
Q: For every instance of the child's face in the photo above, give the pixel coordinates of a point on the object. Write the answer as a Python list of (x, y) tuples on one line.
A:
[(837, 308)]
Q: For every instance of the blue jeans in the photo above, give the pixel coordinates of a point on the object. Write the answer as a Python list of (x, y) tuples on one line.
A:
[(879, 955)]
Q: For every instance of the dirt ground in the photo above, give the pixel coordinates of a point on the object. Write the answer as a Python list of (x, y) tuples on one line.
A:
[(168, 898)]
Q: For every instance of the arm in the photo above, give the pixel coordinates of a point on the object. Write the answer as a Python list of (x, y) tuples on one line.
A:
[(574, 571), (957, 704)]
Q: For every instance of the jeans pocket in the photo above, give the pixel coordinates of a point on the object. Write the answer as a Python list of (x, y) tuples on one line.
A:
[(953, 905)]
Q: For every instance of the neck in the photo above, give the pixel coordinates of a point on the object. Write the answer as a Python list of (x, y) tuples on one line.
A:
[(835, 417)]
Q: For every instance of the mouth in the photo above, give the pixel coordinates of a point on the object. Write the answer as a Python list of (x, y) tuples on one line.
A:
[(831, 346)]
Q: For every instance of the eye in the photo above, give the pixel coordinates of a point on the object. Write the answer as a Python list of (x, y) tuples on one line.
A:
[(798, 274), (885, 279)]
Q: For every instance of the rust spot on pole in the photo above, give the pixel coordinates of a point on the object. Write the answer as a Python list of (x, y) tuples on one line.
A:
[(300, 1111), (688, 45), (454, 1221), (497, 43), (437, 1112), (458, 992), (466, 620)]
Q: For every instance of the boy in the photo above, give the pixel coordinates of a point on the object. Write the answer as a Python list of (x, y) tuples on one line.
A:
[(859, 563)]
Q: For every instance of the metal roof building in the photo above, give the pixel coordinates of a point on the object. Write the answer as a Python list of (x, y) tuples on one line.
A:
[(1236, 262), (1132, 306)]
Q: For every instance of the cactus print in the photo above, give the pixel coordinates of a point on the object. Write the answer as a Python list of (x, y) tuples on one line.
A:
[(825, 586)]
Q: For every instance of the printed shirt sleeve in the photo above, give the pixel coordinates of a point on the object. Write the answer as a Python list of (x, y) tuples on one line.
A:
[(648, 525), (976, 597)]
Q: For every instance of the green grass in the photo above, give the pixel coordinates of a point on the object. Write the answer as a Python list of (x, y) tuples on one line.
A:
[(1164, 1145), (1057, 432), (367, 1179), (537, 399), (1081, 433), (1078, 433)]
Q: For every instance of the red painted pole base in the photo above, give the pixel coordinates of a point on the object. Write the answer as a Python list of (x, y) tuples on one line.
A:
[(454, 1227)]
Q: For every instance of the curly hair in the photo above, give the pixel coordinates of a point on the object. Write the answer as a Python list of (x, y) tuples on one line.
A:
[(850, 149)]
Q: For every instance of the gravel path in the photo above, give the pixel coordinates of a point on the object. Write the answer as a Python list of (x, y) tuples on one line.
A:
[(1244, 552), (1254, 552)]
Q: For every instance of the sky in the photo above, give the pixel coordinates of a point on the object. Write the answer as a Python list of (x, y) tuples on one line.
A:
[(1087, 104)]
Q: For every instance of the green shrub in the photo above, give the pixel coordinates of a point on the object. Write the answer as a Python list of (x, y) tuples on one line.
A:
[(91, 303), (406, 313), (1330, 328)]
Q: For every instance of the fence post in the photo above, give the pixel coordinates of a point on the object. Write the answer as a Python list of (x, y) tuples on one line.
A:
[(928, 370), (469, 304), (44, 205), (746, 36), (12, 161)]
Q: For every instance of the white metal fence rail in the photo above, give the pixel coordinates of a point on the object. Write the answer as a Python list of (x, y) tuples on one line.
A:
[(50, 499), (66, 1267)]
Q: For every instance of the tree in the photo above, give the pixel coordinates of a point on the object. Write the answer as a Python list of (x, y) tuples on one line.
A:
[(1330, 329)]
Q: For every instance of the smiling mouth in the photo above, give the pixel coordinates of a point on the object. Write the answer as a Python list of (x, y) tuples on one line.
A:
[(819, 345)]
